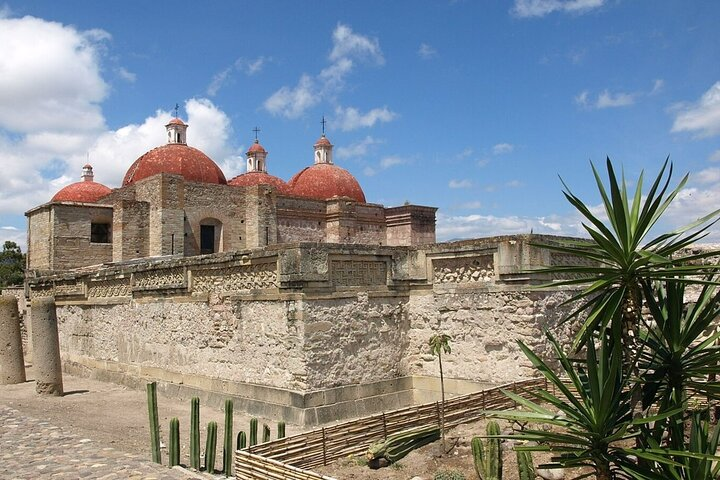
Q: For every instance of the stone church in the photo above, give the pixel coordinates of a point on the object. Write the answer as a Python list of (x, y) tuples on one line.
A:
[(175, 200)]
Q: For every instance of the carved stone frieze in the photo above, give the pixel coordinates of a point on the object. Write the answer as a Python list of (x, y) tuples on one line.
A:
[(119, 287), (236, 278), (165, 277), (68, 288), (463, 269), (351, 273)]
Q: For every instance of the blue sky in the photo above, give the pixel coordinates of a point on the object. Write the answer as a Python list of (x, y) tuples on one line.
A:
[(474, 107)]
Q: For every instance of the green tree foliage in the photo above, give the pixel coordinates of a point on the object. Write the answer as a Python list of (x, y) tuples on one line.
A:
[(12, 265)]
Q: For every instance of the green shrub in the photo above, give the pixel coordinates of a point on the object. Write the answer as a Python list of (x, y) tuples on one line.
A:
[(449, 474)]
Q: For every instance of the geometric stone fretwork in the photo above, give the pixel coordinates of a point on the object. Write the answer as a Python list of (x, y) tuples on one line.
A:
[(166, 277), (68, 288), (351, 273), (235, 279), (110, 288), (558, 259), (463, 269)]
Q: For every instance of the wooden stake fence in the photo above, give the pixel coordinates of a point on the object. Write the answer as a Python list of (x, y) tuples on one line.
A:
[(290, 458)]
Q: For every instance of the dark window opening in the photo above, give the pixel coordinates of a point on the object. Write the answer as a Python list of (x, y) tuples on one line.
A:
[(207, 239), (99, 233)]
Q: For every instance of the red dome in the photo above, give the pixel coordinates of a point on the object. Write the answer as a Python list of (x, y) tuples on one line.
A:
[(176, 121), (86, 191), (176, 158), (325, 180), (259, 178), (256, 147)]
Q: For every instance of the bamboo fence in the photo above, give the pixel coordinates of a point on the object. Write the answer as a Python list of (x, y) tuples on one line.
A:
[(290, 458)]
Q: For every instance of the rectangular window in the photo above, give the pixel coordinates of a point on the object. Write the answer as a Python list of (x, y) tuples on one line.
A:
[(99, 233)]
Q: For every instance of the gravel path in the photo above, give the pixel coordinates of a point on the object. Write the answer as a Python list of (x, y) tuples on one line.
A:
[(32, 449)]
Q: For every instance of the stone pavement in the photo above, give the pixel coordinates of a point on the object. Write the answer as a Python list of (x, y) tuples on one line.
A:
[(35, 449)]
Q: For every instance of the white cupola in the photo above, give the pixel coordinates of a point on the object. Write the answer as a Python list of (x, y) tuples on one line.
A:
[(177, 131)]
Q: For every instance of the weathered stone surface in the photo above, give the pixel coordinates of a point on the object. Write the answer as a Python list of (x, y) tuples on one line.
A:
[(46, 348), (12, 363)]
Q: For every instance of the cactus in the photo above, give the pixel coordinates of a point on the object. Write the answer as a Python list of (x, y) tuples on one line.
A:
[(174, 442), (241, 440), (228, 443), (281, 429), (210, 447), (526, 469), (397, 445), (154, 426), (195, 433), (488, 459), (253, 431), (266, 433)]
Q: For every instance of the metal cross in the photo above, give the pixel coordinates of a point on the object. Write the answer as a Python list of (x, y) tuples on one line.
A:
[(177, 107), (256, 130), (323, 124)]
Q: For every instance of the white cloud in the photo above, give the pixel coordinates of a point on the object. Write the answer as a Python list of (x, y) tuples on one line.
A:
[(658, 86), (475, 205), (50, 76), (292, 102), (426, 51), (248, 67), (310, 90), (357, 149), (392, 161), (347, 44), (502, 148), (475, 226), (464, 183), (540, 8), (351, 118), (13, 234), (582, 98), (709, 175), (126, 75), (610, 100), (514, 184), (703, 116), (715, 156), (465, 153)]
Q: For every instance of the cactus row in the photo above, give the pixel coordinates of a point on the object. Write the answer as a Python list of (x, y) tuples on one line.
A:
[(174, 442), (228, 443), (241, 440), (253, 431), (210, 447), (266, 433), (154, 426), (195, 433), (488, 459)]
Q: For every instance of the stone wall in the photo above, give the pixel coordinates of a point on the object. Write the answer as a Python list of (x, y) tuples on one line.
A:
[(312, 318)]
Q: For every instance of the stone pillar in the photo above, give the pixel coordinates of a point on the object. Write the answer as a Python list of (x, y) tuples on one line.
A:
[(12, 364), (46, 347)]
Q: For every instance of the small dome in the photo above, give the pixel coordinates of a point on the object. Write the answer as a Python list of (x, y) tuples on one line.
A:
[(177, 121), (256, 148), (87, 190), (323, 141), (176, 158), (323, 181), (259, 178)]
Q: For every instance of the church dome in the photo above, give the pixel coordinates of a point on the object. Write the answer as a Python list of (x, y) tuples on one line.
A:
[(87, 190), (259, 178), (177, 158), (323, 181)]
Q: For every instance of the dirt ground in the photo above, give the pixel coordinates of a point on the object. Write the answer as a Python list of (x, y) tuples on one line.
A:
[(117, 416)]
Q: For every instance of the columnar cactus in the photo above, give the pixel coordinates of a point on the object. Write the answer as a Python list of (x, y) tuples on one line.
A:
[(154, 425), (526, 469), (266, 433), (210, 447), (281, 429), (174, 442), (488, 459), (228, 443), (195, 433), (241, 440), (253, 431)]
